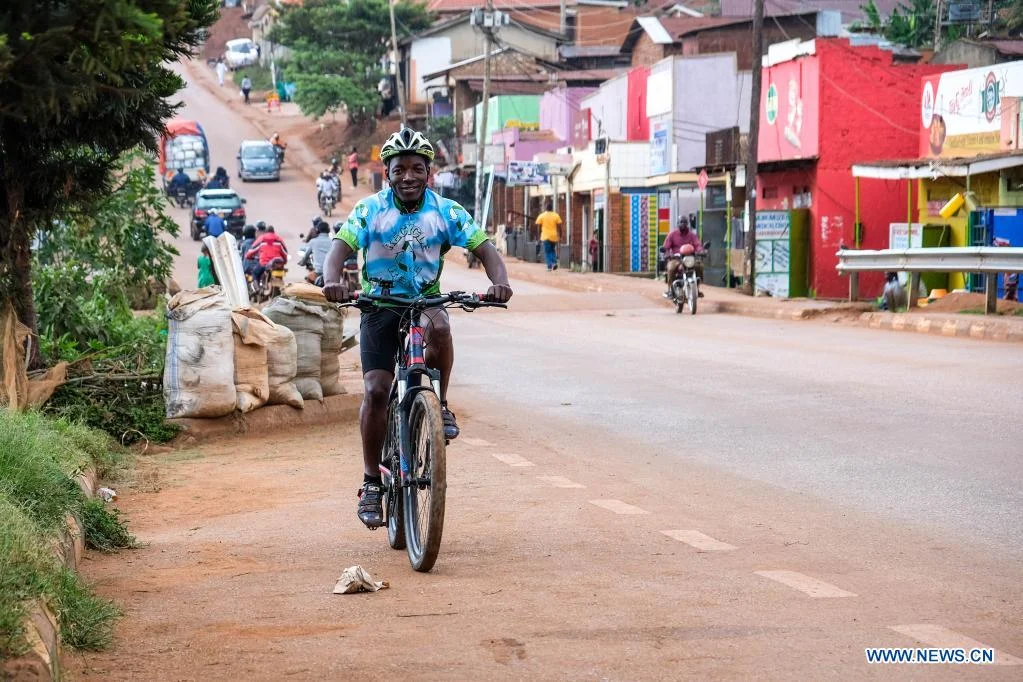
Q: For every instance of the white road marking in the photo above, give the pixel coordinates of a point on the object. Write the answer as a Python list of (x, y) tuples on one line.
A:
[(618, 507), (695, 538), (941, 637), (806, 584), (560, 482), (478, 442), (512, 460)]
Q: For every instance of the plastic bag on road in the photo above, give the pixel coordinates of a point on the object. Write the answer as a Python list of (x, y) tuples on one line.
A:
[(356, 579)]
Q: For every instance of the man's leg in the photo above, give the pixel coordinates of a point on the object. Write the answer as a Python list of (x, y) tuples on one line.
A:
[(699, 274), (440, 355), (373, 418), (355, 177), (671, 273)]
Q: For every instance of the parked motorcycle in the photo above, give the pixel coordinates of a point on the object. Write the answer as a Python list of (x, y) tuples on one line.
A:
[(685, 288)]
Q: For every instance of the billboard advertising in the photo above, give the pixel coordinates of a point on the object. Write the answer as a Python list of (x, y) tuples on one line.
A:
[(788, 111), (961, 111)]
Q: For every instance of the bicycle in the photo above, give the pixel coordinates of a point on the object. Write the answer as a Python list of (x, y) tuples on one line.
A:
[(413, 461)]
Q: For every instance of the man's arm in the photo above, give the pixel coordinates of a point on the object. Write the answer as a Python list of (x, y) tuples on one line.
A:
[(500, 291), (333, 289)]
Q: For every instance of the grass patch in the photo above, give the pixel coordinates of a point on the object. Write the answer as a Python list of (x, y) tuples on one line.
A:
[(39, 458), (972, 311), (260, 77), (1018, 312)]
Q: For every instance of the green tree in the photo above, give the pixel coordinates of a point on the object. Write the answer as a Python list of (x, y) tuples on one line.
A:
[(336, 48), (81, 82)]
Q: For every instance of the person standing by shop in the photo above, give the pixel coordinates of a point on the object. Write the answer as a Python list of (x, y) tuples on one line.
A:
[(353, 166), (548, 222)]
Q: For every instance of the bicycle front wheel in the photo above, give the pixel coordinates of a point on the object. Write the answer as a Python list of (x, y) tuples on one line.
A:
[(426, 485)]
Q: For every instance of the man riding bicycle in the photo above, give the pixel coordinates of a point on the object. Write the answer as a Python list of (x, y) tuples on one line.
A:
[(403, 233)]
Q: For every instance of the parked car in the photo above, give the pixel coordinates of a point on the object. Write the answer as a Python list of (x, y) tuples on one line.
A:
[(258, 160), (240, 52), (224, 200)]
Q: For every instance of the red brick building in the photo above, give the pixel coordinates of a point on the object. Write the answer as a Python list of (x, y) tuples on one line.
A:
[(822, 110)]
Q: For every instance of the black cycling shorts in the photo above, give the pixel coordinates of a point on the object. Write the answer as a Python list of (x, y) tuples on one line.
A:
[(380, 338)]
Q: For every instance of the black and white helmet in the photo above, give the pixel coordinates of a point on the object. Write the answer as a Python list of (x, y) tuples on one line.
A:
[(406, 141)]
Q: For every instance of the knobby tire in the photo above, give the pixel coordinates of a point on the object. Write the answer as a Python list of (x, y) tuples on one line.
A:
[(424, 508)]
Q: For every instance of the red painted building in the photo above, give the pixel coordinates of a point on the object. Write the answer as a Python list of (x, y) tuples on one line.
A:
[(830, 105)]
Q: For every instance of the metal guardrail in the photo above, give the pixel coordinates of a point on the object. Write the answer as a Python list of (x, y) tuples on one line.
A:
[(990, 260), (985, 259)]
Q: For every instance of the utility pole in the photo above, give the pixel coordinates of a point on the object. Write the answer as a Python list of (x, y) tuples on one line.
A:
[(397, 67), (749, 270), (487, 23), (937, 26), (564, 21)]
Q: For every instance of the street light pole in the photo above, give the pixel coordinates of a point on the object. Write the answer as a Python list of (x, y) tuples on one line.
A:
[(749, 270), (481, 146), (397, 67)]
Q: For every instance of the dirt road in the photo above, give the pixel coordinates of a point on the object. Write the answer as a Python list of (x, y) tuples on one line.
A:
[(636, 495)]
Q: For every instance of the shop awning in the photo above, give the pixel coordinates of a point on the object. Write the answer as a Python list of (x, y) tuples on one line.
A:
[(683, 179), (924, 169)]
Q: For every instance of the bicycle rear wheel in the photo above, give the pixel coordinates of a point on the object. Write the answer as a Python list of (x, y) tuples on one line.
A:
[(427, 483)]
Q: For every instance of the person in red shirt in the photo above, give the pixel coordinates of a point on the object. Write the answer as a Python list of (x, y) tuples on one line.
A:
[(267, 247), (672, 248)]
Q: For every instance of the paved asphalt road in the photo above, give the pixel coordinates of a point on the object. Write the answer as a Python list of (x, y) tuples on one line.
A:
[(830, 464)]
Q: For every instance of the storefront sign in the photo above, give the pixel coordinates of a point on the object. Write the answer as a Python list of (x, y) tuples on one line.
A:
[(581, 129), (961, 111), (898, 236), (659, 146), (525, 173), (789, 111), (772, 253)]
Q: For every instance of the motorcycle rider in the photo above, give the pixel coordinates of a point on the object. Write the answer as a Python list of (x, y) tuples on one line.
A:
[(403, 233), (316, 252), (180, 181), (324, 187), (248, 237), (219, 179), (214, 224), (266, 248), (672, 248), (279, 145)]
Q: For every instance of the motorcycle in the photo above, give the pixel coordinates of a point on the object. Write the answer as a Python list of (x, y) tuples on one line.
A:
[(279, 148), (685, 288), (270, 284), (327, 204), (471, 259), (350, 274), (184, 197)]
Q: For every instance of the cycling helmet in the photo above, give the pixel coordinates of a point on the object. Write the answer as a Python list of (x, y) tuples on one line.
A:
[(406, 141)]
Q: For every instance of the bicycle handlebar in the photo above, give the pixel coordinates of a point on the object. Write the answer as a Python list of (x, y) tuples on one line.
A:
[(365, 301)]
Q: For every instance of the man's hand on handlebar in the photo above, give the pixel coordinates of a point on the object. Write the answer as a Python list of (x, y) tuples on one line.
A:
[(337, 292), (498, 293)]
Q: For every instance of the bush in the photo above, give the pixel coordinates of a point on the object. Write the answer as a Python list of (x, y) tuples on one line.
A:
[(38, 460), (259, 75)]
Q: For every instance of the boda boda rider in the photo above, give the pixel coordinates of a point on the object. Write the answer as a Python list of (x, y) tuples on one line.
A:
[(681, 237), (403, 233)]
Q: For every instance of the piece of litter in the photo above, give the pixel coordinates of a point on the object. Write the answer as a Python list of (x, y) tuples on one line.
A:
[(107, 494), (355, 579)]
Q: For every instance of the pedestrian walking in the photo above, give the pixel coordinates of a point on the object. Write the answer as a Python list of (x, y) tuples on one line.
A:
[(353, 166), (594, 249), (246, 88), (221, 71), (207, 276), (548, 222)]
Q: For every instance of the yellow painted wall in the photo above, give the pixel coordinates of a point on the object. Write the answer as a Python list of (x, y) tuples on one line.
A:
[(933, 194)]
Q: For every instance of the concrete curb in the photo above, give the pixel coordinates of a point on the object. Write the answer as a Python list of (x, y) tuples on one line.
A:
[(981, 328), (42, 661), (333, 409)]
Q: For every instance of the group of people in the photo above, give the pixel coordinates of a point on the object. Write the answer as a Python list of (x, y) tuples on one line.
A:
[(181, 181), (260, 246)]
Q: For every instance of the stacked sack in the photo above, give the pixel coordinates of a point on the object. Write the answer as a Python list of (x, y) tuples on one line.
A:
[(318, 327), (219, 360), (198, 378)]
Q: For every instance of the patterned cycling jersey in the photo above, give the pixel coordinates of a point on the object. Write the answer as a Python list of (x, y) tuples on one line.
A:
[(407, 249)]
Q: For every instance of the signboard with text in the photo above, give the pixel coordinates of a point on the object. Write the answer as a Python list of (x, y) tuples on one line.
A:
[(581, 129), (961, 111), (525, 173), (789, 111), (659, 148)]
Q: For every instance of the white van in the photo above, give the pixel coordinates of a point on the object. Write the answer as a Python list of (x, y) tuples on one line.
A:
[(240, 52)]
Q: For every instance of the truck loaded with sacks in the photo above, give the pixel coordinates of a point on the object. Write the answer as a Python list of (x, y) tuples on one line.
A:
[(183, 146)]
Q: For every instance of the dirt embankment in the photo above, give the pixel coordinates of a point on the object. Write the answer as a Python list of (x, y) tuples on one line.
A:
[(964, 302), (231, 24)]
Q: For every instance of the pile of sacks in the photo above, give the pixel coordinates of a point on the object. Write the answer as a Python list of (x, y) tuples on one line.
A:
[(220, 360)]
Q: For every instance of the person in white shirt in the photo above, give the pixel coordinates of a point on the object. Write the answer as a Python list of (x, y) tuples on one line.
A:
[(221, 71)]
